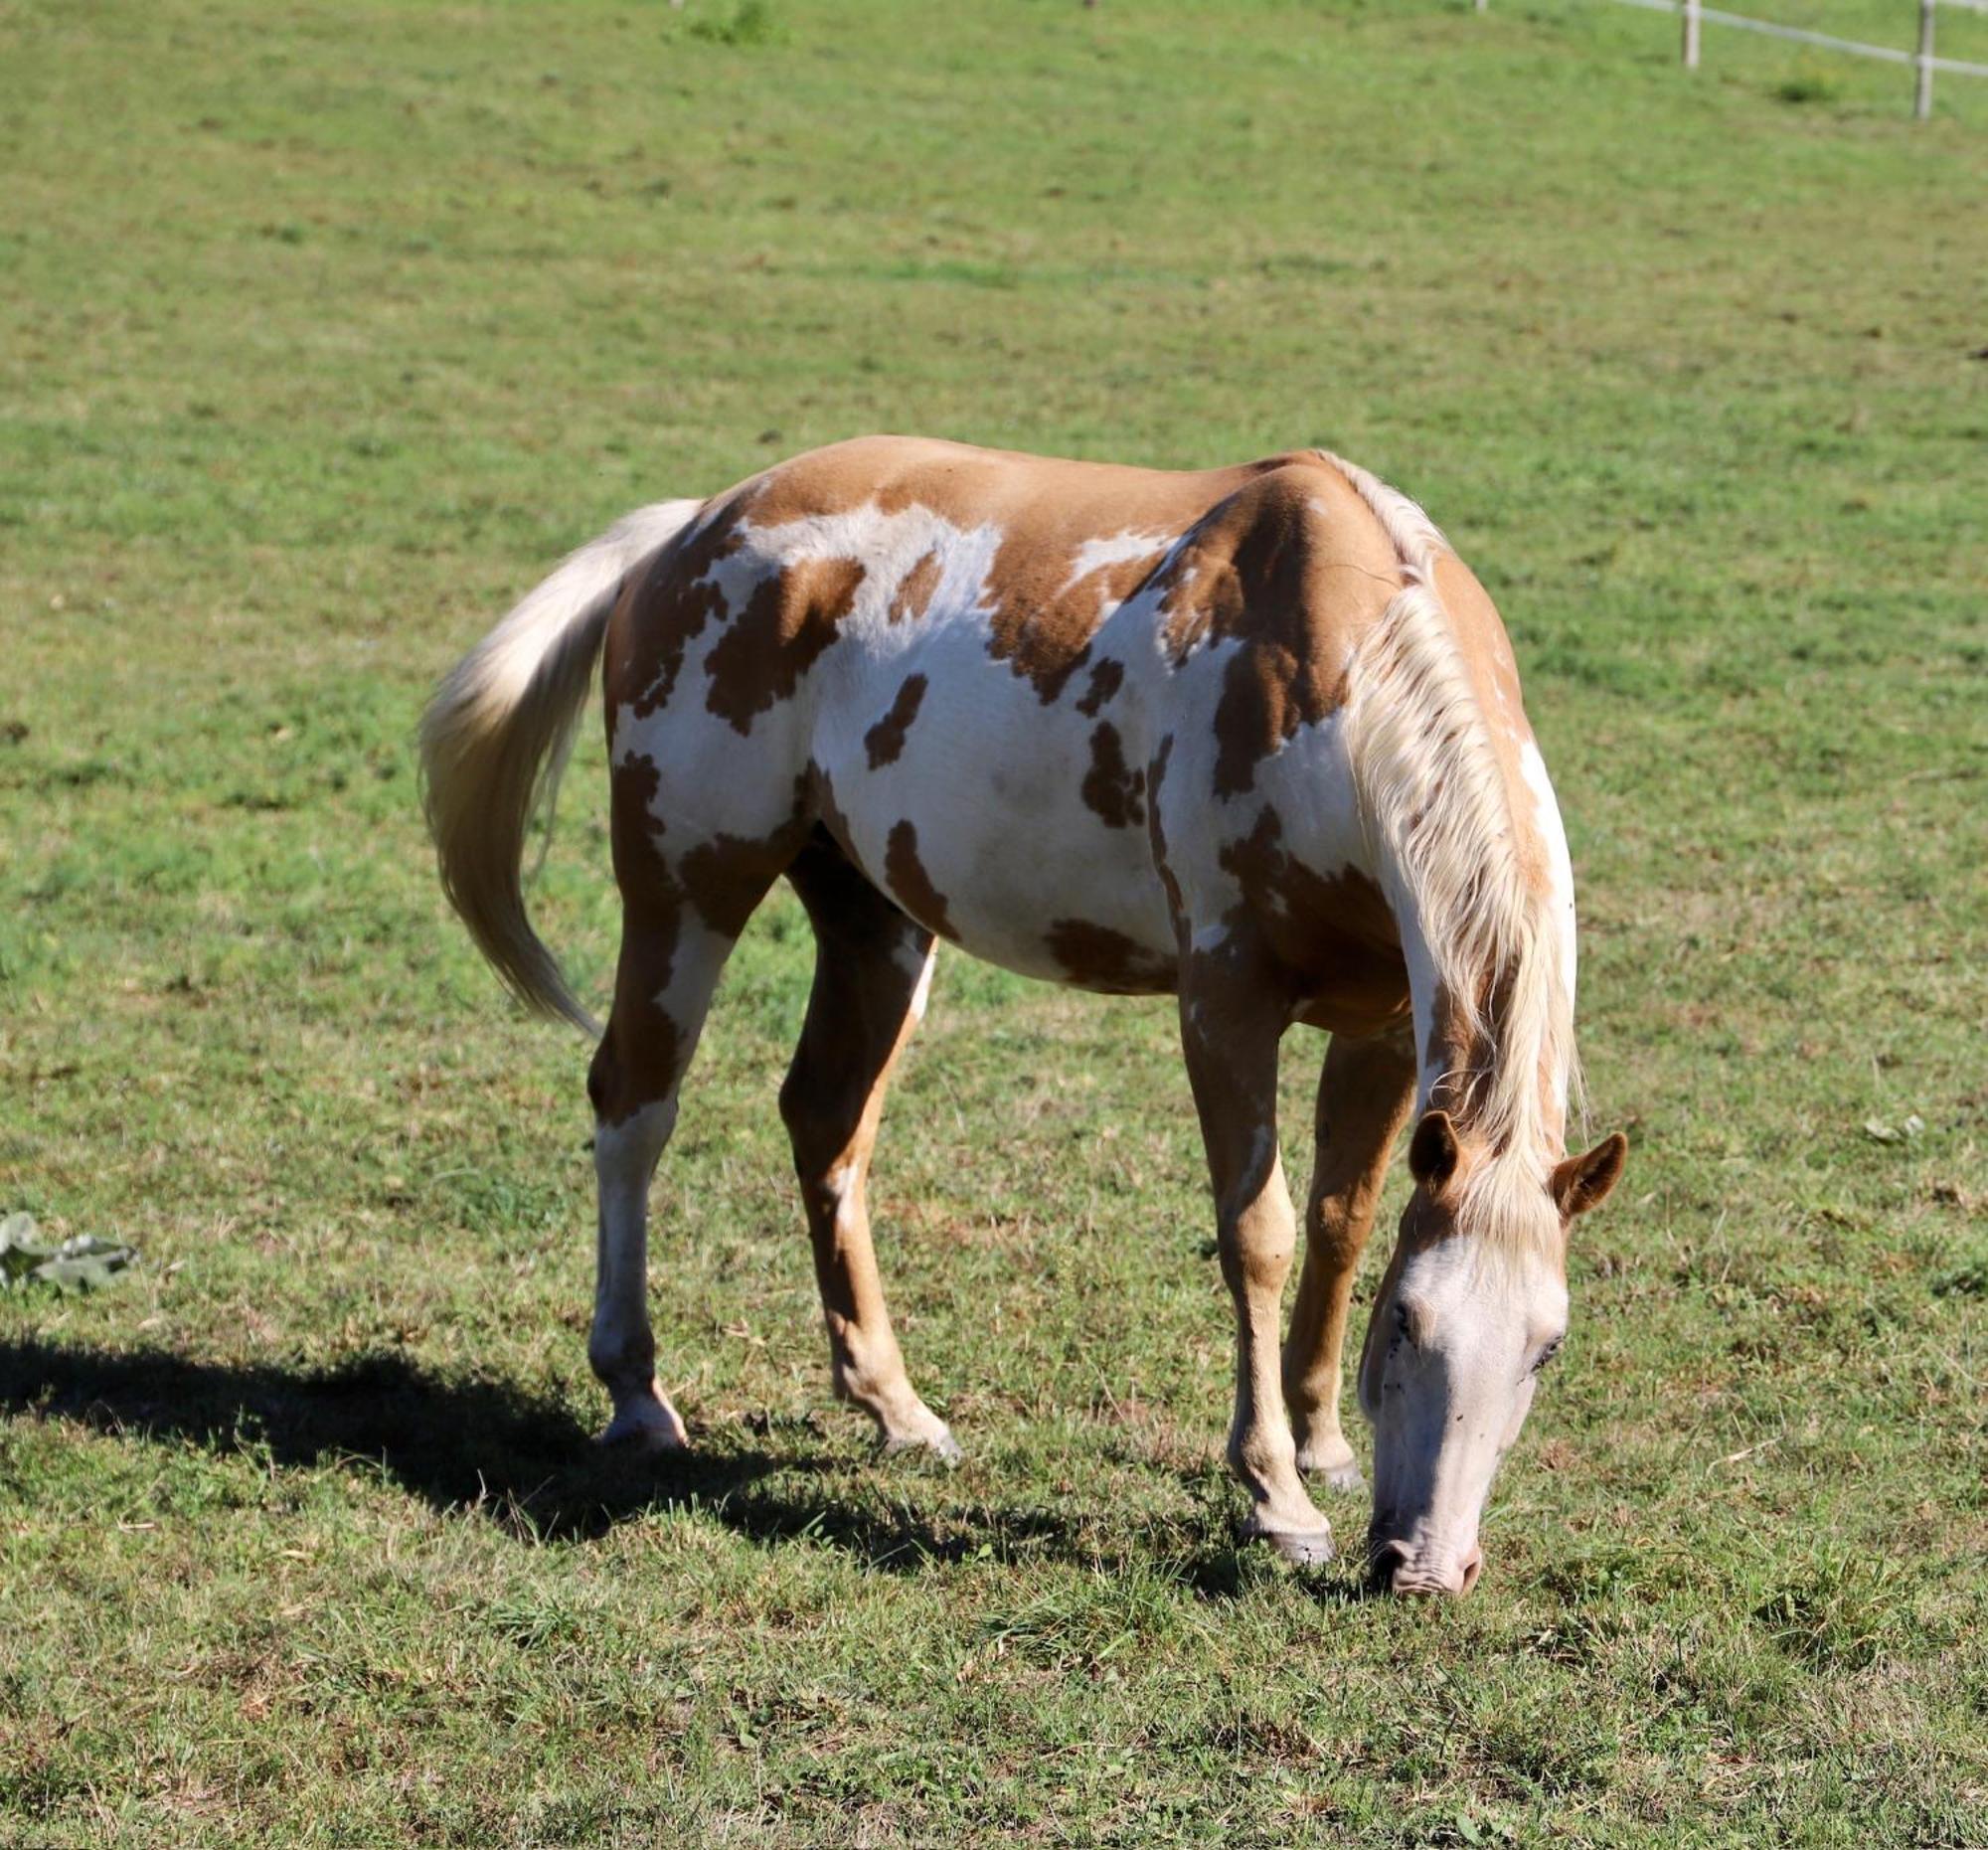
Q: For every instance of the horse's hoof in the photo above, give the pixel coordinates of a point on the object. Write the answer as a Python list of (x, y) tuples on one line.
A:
[(1341, 1477), (1334, 1468), (1302, 1548), (940, 1444), (644, 1429)]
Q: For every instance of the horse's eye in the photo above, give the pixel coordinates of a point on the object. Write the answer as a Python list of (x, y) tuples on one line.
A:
[(1401, 1321), (1547, 1354)]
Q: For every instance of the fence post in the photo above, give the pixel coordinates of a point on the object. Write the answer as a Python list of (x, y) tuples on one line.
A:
[(1923, 86), (1691, 33)]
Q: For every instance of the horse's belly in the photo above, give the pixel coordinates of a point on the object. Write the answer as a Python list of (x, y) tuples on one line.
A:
[(993, 818)]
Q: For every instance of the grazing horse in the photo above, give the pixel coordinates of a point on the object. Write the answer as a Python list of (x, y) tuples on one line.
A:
[(1250, 737)]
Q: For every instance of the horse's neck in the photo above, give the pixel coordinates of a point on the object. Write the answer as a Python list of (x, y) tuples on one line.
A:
[(1493, 1046)]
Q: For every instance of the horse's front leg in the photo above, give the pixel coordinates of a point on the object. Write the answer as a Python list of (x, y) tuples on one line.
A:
[(1363, 1094), (1231, 1019)]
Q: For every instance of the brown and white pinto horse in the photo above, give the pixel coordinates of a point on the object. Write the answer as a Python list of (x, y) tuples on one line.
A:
[(1250, 736)]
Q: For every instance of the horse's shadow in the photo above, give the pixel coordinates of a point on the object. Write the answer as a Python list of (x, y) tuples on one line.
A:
[(522, 1461)]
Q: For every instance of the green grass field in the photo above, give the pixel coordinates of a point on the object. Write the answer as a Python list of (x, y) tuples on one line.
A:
[(325, 329)]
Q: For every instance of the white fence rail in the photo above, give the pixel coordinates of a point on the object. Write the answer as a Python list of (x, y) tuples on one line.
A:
[(1923, 60)]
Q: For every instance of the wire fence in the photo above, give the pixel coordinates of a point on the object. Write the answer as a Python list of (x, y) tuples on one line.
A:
[(1924, 59)]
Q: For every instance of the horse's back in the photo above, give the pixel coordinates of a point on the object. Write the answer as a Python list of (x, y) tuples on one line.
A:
[(984, 673)]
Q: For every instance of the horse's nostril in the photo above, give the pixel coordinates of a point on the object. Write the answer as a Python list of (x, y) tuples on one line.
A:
[(1385, 1561), (1473, 1568)]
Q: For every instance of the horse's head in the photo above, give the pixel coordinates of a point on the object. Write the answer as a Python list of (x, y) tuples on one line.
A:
[(1472, 1307)]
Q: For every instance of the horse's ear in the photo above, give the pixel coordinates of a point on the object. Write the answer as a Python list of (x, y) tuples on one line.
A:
[(1432, 1151), (1584, 1182)]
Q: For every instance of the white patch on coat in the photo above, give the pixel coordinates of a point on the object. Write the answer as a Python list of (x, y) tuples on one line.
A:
[(921, 993), (624, 1158), (1115, 549)]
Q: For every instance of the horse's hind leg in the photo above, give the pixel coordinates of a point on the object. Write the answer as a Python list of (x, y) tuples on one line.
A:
[(1364, 1094), (675, 938), (872, 968)]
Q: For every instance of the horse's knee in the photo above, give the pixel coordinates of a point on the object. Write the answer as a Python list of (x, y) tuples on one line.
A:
[(1256, 1247), (1336, 1237)]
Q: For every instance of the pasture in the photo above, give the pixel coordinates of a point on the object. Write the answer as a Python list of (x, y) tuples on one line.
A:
[(326, 329)]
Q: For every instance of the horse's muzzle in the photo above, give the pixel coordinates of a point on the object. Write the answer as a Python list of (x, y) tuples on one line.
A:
[(1396, 1570)]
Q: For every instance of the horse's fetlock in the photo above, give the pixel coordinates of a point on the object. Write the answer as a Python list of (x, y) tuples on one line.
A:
[(847, 1384), (1260, 1458), (623, 1358), (862, 1378)]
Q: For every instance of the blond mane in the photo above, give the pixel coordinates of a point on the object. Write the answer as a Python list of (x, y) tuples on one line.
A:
[(1438, 812)]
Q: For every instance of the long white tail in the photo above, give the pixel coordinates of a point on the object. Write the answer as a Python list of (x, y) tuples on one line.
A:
[(495, 738)]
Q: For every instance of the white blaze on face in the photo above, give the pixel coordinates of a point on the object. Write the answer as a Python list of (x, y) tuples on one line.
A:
[(1447, 1379)]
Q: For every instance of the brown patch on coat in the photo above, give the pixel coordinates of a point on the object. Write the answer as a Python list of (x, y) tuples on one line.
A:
[(1454, 1049), (1107, 677), (1110, 786), (914, 590), (911, 884), (634, 833), (632, 823), (1043, 623), (727, 876), (1335, 932), (659, 614), (885, 741), (789, 619), (636, 1061), (1462, 1046), (1156, 835), (640, 1057), (1294, 566), (1480, 636), (1094, 956), (1449, 1028)]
